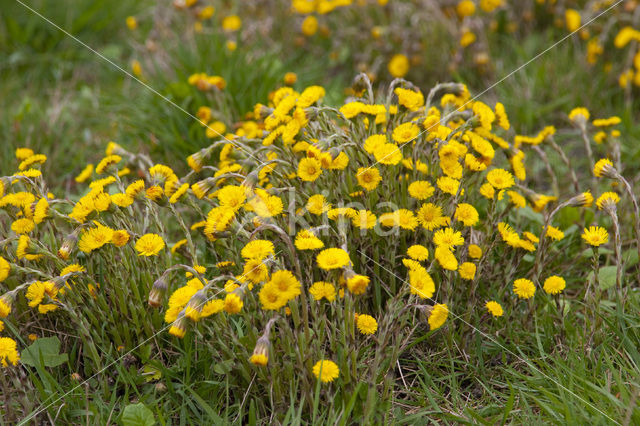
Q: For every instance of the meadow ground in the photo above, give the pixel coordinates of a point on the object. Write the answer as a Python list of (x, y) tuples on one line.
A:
[(569, 359)]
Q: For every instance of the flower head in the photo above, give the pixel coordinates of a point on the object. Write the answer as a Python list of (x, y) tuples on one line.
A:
[(149, 245), (554, 284), (366, 324), (494, 308), (595, 235), (524, 288), (332, 258), (438, 316), (8, 352), (326, 371)]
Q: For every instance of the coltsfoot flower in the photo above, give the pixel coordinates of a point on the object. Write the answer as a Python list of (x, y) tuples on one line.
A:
[(149, 245), (326, 371), (595, 236)]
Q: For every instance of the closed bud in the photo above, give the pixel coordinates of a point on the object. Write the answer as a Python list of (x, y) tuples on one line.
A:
[(179, 327), (194, 306), (157, 292)]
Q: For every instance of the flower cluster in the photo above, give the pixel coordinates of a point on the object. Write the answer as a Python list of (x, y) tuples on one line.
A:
[(335, 229)]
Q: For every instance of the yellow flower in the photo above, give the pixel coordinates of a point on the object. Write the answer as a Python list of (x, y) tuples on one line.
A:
[(373, 142), (554, 284), (120, 237), (37, 291), (149, 245), (448, 238), (231, 23), (366, 324), (286, 283), (405, 133), (398, 66), (403, 218), (121, 200), (410, 99), (232, 303), (430, 217), (332, 258), (475, 252), (448, 185), (446, 259), (309, 169), (232, 196), (257, 249), (467, 38), (438, 317), (604, 167), (418, 252), (494, 308), (34, 159), (260, 354), (107, 162), (467, 270), (573, 19), (322, 289), (500, 179), (595, 235), (306, 240), (579, 114), (5, 269), (9, 352), (421, 190), (368, 178), (271, 297), (23, 153), (132, 23), (524, 288), (516, 199), (290, 78), (554, 233), (41, 211), (421, 283), (317, 204), (326, 371), (487, 191), (154, 193), (465, 8), (309, 25), (607, 199), (358, 284), (255, 271), (212, 307), (94, 238), (467, 214), (5, 306), (387, 154), (23, 226), (364, 219)]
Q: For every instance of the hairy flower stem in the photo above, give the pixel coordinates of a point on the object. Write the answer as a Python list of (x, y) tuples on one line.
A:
[(537, 267), (547, 164), (618, 250), (565, 160), (587, 147)]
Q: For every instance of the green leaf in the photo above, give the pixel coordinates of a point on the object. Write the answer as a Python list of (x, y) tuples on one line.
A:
[(137, 415), (151, 373), (630, 257), (44, 351), (606, 277)]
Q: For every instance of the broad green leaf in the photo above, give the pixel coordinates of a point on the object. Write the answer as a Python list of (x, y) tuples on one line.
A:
[(45, 350), (137, 415), (606, 277)]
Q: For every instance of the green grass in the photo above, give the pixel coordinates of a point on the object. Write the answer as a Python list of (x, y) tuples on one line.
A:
[(62, 100)]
